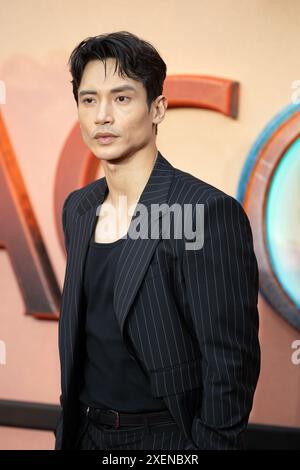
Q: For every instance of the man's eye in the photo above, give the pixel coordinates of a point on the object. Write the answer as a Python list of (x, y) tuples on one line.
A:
[(87, 100), (123, 100)]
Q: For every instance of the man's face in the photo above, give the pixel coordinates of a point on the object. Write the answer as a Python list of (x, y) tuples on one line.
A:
[(115, 105)]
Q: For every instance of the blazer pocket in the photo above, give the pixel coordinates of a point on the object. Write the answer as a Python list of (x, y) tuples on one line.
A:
[(176, 379)]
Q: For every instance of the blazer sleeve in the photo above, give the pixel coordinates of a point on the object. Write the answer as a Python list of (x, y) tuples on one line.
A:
[(221, 282), (58, 430), (59, 426), (64, 221)]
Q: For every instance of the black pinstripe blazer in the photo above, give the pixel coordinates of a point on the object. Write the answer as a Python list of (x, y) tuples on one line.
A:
[(188, 317)]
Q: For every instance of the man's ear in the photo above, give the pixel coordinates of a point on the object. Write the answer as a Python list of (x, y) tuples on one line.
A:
[(160, 105)]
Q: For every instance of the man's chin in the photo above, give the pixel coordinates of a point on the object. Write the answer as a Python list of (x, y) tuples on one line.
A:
[(110, 158)]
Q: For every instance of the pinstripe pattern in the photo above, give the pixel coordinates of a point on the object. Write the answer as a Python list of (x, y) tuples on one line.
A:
[(189, 318), (101, 437)]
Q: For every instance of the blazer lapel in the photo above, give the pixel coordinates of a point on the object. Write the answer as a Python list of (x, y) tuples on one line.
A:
[(136, 253), (70, 327)]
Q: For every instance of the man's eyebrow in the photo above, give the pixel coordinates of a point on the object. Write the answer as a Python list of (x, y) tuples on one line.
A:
[(123, 88), (113, 90)]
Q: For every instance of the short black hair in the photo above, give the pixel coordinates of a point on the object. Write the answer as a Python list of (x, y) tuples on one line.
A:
[(135, 58)]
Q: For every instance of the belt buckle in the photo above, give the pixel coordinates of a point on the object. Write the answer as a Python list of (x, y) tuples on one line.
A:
[(118, 417)]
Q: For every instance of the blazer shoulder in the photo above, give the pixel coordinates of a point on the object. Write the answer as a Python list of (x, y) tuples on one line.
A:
[(190, 189), (77, 194)]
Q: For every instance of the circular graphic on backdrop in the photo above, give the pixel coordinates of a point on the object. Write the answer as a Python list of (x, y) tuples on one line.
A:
[(269, 189), (283, 222)]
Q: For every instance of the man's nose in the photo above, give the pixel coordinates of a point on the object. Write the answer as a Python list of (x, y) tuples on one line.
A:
[(104, 113)]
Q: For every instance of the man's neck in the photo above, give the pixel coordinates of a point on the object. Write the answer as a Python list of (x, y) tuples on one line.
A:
[(128, 177)]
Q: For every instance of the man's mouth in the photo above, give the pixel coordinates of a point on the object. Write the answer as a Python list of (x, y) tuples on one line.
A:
[(105, 138)]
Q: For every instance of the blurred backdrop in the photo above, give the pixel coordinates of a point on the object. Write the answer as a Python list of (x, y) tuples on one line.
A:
[(253, 156)]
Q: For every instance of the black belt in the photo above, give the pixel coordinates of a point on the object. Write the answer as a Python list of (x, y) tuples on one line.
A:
[(117, 419)]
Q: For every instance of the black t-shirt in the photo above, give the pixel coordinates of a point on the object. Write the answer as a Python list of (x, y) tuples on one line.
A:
[(112, 378)]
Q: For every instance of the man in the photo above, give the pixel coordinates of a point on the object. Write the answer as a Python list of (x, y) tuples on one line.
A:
[(158, 336)]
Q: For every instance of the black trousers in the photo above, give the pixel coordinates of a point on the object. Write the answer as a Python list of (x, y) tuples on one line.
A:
[(95, 436)]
